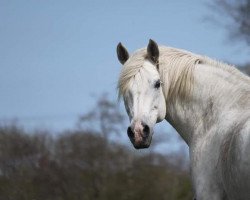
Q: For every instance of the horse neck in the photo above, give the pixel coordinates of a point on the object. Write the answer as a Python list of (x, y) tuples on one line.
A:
[(216, 93)]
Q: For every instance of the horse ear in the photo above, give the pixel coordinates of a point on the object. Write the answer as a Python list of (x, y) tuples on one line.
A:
[(153, 51), (122, 53)]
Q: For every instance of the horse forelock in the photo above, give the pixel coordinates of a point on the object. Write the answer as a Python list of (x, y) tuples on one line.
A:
[(130, 69)]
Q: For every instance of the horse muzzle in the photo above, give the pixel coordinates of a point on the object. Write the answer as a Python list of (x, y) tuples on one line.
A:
[(140, 135)]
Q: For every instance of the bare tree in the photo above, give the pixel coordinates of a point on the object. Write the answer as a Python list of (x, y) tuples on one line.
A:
[(246, 68), (105, 118), (82, 165), (238, 13)]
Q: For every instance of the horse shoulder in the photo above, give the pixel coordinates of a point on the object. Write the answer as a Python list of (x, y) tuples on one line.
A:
[(235, 159)]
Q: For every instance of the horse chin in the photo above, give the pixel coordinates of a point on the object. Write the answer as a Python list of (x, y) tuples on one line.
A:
[(141, 146), (160, 119), (145, 143)]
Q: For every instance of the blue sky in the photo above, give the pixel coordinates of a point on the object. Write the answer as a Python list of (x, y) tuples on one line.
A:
[(56, 56)]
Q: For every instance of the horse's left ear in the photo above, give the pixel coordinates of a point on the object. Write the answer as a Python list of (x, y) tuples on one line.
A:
[(153, 51)]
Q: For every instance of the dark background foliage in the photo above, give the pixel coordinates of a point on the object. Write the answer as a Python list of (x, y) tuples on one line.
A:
[(87, 163), (237, 25)]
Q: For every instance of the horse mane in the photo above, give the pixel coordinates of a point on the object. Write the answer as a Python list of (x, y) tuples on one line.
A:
[(175, 69)]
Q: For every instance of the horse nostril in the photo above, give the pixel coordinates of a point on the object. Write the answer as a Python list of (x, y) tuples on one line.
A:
[(130, 132), (146, 129)]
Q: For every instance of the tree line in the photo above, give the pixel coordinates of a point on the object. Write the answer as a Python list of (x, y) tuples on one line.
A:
[(87, 163)]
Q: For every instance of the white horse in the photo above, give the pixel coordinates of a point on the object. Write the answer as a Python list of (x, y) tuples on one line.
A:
[(206, 101)]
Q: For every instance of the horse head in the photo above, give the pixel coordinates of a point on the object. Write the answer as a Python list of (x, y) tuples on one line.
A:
[(141, 89)]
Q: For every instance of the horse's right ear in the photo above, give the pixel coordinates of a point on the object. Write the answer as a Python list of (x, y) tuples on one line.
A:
[(122, 53)]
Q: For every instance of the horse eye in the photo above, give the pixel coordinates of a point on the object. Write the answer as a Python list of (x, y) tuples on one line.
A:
[(157, 84)]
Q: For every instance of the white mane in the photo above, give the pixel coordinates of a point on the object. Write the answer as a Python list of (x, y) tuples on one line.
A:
[(175, 67)]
